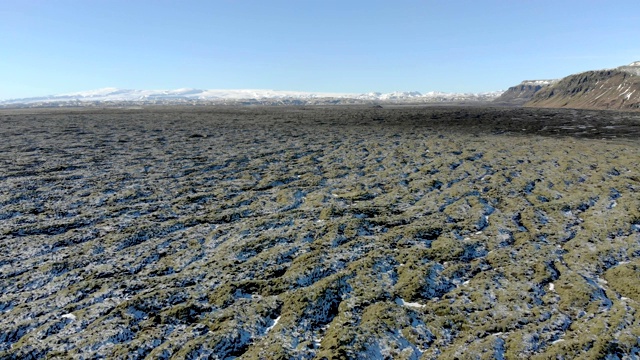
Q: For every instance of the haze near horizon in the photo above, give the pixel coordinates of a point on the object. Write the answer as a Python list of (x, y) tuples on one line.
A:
[(316, 46)]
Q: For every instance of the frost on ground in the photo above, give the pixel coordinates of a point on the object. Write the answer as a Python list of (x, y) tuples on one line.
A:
[(319, 232)]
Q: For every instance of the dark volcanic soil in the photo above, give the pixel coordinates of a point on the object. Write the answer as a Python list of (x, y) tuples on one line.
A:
[(592, 124), (337, 232)]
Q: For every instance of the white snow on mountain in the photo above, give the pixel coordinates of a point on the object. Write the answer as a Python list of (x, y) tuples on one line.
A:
[(539, 82), (121, 95), (633, 68)]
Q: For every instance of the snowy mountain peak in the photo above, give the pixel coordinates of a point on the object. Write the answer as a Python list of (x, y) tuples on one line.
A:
[(112, 95)]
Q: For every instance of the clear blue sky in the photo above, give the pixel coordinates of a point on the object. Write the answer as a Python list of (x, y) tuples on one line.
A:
[(50, 47)]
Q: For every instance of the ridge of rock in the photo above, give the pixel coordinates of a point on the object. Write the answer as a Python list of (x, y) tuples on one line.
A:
[(616, 89)]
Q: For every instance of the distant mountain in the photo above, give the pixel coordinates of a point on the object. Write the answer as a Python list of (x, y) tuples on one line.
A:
[(523, 92), (114, 96), (617, 89)]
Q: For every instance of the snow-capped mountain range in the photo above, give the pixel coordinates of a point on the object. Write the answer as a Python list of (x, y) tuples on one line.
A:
[(115, 95)]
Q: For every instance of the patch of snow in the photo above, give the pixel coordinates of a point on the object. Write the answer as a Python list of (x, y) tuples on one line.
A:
[(629, 95), (539, 82), (552, 287), (599, 96), (401, 302), (626, 91), (69, 316), (275, 322)]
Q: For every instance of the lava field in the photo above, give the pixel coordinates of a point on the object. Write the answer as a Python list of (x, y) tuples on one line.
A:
[(319, 232)]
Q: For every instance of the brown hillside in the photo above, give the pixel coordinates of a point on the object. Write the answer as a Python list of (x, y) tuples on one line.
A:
[(601, 89), (523, 92)]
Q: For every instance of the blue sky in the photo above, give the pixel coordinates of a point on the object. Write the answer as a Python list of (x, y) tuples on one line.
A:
[(51, 47)]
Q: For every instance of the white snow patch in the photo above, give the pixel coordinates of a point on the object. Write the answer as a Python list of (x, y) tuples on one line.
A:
[(629, 95), (317, 340), (626, 91), (552, 287), (275, 322), (401, 302), (599, 96), (69, 316), (539, 82)]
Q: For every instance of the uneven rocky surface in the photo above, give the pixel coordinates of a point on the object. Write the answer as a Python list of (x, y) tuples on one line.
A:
[(408, 233), (617, 89)]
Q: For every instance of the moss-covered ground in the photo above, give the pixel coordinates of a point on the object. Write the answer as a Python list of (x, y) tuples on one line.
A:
[(280, 233)]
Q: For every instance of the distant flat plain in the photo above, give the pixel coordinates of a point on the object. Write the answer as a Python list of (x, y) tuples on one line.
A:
[(310, 232)]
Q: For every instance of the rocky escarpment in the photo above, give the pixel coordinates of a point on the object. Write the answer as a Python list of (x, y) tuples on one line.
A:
[(523, 92), (600, 89)]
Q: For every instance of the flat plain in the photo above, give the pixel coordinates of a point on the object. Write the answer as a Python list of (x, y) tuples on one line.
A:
[(319, 232)]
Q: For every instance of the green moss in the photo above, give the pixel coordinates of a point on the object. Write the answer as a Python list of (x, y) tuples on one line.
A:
[(445, 248), (225, 295), (575, 292), (625, 279)]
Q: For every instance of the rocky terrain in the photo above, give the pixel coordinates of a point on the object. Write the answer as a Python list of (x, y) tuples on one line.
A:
[(523, 92), (617, 89), (325, 232)]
